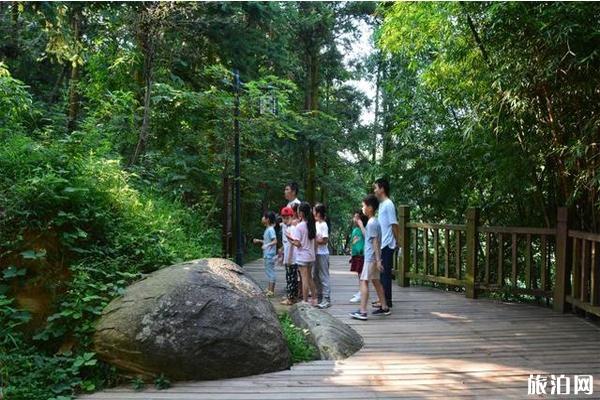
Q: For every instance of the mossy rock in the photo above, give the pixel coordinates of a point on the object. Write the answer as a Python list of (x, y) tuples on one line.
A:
[(203, 319), (333, 339)]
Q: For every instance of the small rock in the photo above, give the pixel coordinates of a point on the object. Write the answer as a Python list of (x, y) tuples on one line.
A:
[(333, 339)]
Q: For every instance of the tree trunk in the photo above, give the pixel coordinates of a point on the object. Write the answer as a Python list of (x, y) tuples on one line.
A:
[(314, 83), (323, 188), (376, 127), (386, 123), (226, 216), (15, 25), (59, 80), (311, 176), (312, 36), (147, 44), (475, 34), (73, 98), (311, 104), (75, 72)]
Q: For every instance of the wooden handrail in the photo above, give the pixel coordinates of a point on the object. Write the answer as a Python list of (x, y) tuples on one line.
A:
[(592, 237), (516, 229), (423, 225), (527, 257)]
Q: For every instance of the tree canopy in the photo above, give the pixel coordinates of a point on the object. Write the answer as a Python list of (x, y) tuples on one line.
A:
[(496, 106), (116, 121)]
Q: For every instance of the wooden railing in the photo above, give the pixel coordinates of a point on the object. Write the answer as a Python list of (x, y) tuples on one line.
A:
[(558, 264), (585, 278)]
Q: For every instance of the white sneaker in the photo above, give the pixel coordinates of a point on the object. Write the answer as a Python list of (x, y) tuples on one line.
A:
[(324, 304), (355, 298)]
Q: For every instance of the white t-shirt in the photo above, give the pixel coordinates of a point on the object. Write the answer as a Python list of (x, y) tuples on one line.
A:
[(293, 250), (305, 254), (289, 257), (295, 201), (373, 231), (285, 241), (322, 232), (387, 218)]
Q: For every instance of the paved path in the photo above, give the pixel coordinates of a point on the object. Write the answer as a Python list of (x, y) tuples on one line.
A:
[(435, 345)]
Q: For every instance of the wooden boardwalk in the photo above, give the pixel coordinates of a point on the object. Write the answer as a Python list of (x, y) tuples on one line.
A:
[(435, 345)]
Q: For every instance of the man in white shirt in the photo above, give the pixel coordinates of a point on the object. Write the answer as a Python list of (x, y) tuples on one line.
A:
[(291, 194), (390, 233)]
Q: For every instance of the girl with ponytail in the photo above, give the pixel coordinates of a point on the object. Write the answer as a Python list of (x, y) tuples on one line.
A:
[(306, 232)]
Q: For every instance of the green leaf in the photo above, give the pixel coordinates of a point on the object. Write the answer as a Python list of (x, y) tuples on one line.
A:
[(13, 272), (43, 336), (69, 189), (78, 362), (33, 255), (88, 386), (81, 233)]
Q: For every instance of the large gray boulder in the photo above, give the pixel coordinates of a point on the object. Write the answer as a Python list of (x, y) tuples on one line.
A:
[(333, 339), (203, 319)]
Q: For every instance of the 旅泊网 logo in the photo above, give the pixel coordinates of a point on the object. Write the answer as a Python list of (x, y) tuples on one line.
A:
[(560, 384)]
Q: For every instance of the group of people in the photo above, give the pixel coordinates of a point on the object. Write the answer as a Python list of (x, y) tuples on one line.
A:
[(305, 251)]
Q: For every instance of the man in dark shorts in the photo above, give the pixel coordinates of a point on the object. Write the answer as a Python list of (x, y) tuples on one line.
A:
[(390, 233)]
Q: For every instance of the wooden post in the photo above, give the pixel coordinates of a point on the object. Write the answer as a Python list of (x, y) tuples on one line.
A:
[(472, 248), (585, 275), (594, 284), (425, 251), (435, 251), (575, 267), (458, 252), (515, 274), (404, 246), (447, 252), (488, 242), (544, 264), (562, 241)]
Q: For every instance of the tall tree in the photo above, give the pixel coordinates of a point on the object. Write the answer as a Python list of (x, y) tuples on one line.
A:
[(150, 22), (76, 15), (508, 83), (314, 29)]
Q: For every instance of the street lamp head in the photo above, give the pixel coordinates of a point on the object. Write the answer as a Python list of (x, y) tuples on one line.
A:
[(274, 108)]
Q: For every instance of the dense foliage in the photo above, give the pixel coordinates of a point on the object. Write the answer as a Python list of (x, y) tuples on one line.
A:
[(116, 124), (494, 105), (75, 230), (116, 121)]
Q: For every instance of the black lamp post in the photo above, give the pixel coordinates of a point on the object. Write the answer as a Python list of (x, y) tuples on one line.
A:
[(239, 253), (237, 87)]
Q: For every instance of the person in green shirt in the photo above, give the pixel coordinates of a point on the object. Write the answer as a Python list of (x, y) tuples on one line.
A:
[(357, 243)]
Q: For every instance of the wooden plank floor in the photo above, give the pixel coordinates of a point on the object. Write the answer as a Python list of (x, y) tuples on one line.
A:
[(435, 345)]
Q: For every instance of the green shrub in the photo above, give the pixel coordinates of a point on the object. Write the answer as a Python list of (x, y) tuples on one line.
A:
[(110, 228), (109, 233), (67, 204), (15, 101), (297, 340)]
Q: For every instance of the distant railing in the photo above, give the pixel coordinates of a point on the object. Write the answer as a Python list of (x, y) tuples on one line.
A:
[(585, 276), (558, 264)]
